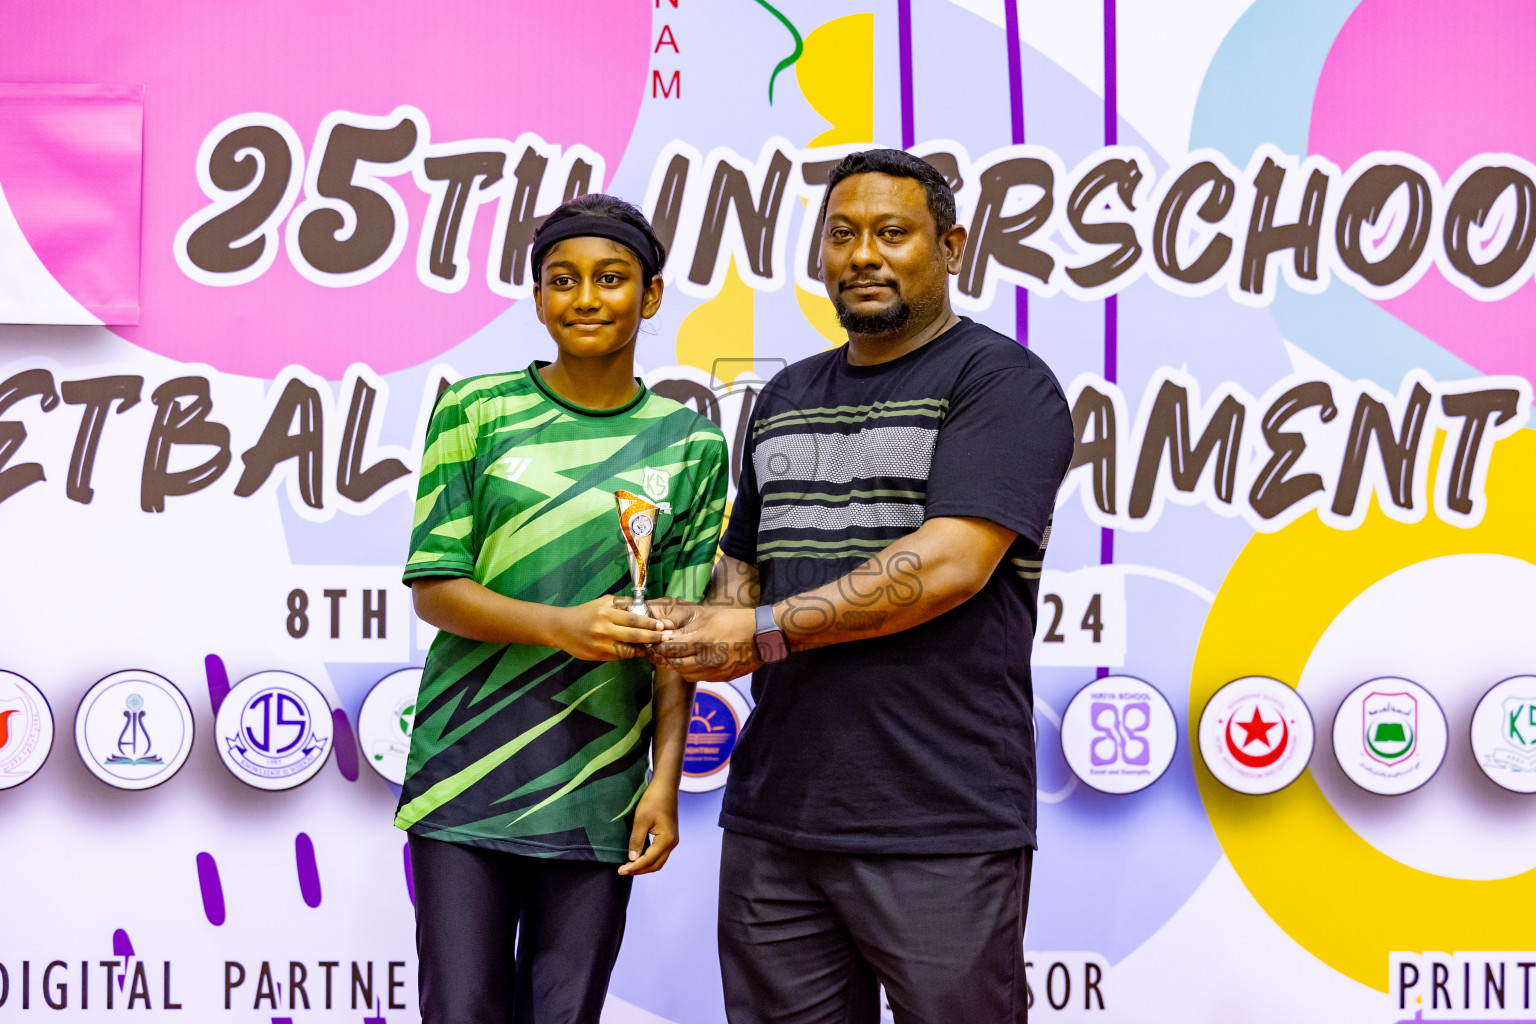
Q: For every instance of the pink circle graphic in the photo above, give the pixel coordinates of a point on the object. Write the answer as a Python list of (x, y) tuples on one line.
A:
[(572, 72), (1443, 80)]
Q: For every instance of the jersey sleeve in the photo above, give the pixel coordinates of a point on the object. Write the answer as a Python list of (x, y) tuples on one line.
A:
[(442, 534), (1003, 451), (702, 531)]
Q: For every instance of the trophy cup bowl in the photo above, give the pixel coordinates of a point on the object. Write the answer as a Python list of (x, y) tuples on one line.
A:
[(637, 523)]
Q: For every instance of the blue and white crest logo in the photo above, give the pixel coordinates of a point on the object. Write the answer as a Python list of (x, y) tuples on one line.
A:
[(274, 730), (719, 712), (134, 729)]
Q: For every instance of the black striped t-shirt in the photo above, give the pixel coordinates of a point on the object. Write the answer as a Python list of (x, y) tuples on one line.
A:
[(922, 741)]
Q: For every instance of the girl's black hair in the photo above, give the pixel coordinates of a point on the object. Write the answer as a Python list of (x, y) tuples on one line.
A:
[(599, 204)]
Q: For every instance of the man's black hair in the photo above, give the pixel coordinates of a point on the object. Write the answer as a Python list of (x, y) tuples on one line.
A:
[(898, 164), (600, 204)]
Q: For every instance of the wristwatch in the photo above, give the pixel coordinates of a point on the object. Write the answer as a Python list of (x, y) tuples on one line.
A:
[(769, 638)]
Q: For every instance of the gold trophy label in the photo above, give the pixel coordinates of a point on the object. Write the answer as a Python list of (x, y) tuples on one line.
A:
[(637, 522)]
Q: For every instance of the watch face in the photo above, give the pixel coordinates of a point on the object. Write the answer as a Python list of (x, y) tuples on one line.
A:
[(771, 646)]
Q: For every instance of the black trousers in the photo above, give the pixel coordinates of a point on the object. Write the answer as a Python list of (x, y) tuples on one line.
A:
[(806, 937), (504, 939)]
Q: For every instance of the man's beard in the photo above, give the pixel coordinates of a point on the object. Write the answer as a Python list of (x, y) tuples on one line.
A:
[(892, 318)]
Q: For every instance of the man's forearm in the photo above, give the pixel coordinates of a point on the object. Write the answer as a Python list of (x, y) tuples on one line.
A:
[(732, 584), (919, 577)]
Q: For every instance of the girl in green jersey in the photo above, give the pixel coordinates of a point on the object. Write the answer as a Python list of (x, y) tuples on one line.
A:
[(526, 797)]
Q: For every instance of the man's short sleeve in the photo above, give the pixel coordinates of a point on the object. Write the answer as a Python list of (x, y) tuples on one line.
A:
[(740, 537), (1003, 450), (442, 535)]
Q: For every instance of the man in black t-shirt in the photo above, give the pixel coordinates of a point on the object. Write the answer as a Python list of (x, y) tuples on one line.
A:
[(879, 579)]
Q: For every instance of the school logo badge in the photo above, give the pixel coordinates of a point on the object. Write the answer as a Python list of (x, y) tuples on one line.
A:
[(1256, 735), (134, 729), (1119, 735), (656, 484), (719, 712), (1390, 726), (26, 729), (1504, 734), (385, 723), (1389, 736), (273, 730)]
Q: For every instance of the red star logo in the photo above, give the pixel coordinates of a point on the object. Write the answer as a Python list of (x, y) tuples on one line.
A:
[(1256, 728)]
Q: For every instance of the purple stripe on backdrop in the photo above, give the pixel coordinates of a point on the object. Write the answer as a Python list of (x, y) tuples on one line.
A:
[(212, 891), (122, 945), (410, 882), (1015, 70), (1112, 339), (1111, 99), (309, 869), (345, 744), (1111, 135), (218, 680), (1016, 117), (904, 39), (1111, 306)]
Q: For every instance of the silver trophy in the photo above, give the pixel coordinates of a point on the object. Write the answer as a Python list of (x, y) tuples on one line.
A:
[(637, 522)]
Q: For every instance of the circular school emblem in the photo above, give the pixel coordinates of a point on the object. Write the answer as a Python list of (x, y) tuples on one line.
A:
[(1504, 734), (719, 712), (273, 730), (26, 729), (1256, 735), (1119, 735), (1389, 736), (385, 723), (134, 729)]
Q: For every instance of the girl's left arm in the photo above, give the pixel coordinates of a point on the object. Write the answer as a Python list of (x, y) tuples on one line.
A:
[(656, 814), (672, 695)]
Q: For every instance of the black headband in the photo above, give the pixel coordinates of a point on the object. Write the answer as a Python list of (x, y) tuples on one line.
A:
[(585, 225)]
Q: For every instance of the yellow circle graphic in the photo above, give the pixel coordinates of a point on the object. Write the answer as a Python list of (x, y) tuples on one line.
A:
[(1343, 900)]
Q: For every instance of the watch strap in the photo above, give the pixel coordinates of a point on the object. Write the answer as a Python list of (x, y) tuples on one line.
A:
[(769, 638)]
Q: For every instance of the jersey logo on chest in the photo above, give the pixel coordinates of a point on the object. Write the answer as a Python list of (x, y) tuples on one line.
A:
[(656, 484), (511, 467)]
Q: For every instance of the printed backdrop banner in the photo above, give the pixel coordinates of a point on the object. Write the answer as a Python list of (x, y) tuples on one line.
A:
[(1279, 252)]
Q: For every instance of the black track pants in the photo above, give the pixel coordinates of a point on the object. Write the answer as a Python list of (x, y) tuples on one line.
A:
[(505, 938)]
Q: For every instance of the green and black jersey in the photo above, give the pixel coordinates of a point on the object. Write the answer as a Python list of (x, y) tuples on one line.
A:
[(522, 748)]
